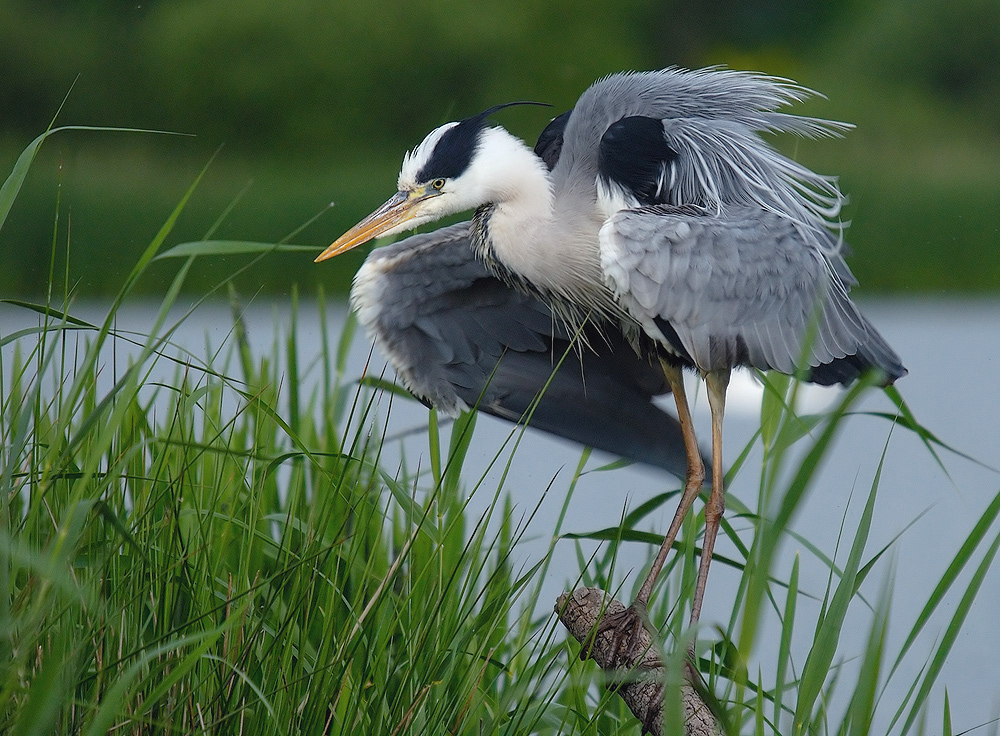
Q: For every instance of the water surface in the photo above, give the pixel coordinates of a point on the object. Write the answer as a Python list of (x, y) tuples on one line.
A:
[(952, 350)]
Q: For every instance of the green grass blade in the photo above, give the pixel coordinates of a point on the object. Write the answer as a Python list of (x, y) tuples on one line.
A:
[(906, 421), (205, 248), (926, 436), (865, 695), (785, 646), (46, 692), (950, 636), (946, 729), (15, 180), (180, 669), (938, 595), (461, 438), (773, 407), (48, 311), (770, 531), (118, 695), (820, 657)]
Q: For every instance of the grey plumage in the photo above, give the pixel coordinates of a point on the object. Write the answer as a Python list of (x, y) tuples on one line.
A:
[(732, 302), (742, 250), (459, 338), (712, 118)]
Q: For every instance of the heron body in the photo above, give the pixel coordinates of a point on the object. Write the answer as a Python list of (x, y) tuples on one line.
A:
[(667, 212), (459, 338)]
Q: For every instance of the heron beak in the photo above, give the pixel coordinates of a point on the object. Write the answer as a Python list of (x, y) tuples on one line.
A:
[(400, 208)]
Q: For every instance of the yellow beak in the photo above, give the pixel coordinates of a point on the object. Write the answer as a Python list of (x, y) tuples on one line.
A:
[(400, 208)]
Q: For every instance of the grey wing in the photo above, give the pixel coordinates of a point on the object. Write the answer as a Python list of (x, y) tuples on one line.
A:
[(740, 287), (460, 338)]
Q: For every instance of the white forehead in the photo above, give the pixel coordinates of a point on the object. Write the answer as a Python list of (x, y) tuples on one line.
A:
[(414, 160)]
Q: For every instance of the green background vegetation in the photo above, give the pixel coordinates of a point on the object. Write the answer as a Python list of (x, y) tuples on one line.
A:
[(225, 551), (314, 102)]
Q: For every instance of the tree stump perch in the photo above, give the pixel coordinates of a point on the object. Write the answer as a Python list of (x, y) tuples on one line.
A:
[(579, 612)]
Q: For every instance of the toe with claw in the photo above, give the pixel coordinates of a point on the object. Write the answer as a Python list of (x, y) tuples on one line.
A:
[(624, 627)]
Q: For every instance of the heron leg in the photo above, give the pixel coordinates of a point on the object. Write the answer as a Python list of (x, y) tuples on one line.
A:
[(692, 482), (626, 624), (716, 383)]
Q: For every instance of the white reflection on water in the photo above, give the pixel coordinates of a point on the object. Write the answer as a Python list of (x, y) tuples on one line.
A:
[(952, 349)]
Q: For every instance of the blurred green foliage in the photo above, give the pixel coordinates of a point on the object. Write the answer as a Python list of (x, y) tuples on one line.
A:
[(316, 101)]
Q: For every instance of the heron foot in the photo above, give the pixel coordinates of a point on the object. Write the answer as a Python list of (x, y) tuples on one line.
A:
[(629, 651), (628, 648)]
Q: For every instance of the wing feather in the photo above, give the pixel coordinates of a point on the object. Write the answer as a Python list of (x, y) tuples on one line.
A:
[(740, 286), (460, 338)]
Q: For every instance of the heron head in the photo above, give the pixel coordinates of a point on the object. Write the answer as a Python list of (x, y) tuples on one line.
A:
[(457, 167)]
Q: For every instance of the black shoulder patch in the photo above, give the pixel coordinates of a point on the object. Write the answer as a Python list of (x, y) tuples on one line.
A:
[(634, 154)]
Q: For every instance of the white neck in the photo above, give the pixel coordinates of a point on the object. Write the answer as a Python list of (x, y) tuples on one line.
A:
[(530, 234)]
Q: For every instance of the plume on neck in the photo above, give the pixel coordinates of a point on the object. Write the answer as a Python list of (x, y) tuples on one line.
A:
[(523, 229)]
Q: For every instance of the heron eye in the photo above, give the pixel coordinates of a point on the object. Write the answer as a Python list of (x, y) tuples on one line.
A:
[(438, 183)]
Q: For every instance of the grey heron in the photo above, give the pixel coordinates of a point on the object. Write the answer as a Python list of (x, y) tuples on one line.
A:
[(668, 214), (459, 338)]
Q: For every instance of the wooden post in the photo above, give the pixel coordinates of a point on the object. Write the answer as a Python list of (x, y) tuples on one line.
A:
[(579, 612)]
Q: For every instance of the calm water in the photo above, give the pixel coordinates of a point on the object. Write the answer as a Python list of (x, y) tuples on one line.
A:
[(952, 349)]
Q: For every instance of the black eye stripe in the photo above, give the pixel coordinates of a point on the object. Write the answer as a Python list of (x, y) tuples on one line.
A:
[(454, 151)]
